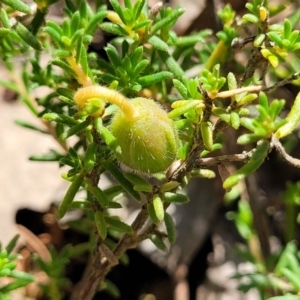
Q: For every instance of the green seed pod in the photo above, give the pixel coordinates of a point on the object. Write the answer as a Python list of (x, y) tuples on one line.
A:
[(149, 140)]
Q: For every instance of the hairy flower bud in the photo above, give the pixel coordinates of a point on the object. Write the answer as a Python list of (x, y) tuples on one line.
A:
[(149, 140)]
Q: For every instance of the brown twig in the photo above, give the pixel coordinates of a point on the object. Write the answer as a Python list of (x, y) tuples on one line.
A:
[(289, 159), (210, 161)]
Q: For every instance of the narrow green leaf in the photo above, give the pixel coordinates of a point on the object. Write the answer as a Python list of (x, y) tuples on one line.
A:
[(152, 214), (175, 198), (125, 183), (276, 38), (90, 156), (222, 114), (113, 56), (169, 20), (232, 84), (66, 100), (188, 106), (106, 135), (137, 9), (285, 297), (158, 43), (235, 120), (69, 196), (170, 227), (187, 41), (117, 8), (14, 285), (18, 5), (158, 207), (154, 78), (66, 93), (172, 64), (5, 273), (247, 99), (77, 38), (168, 186), (287, 28), (292, 278), (22, 276), (283, 261), (28, 37), (111, 289), (292, 119), (59, 118), (99, 195), (136, 55), (118, 225), (75, 22), (100, 224), (4, 32), (77, 204), (250, 18), (252, 165), (142, 24), (113, 28), (127, 16), (67, 161), (52, 156), (139, 183), (83, 59), (66, 41), (248, 138), (95, 21), (55, 27), (293, 262), (207, 134), (159, 243), (64, 66), (75, 129), (128, 4), (12, 244), (113, 192), (183, 91), (259, 40), (10, 265), (139, 67), (70, 6), (56, 37), (66, 31), (30, 126), (4, 19)]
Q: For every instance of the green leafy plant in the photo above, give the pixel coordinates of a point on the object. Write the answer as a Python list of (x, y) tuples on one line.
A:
[(14, 279), (136, 114)]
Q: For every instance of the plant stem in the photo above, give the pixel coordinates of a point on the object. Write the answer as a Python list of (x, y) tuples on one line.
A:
[(96, 91), (100, 265), (81, 77)]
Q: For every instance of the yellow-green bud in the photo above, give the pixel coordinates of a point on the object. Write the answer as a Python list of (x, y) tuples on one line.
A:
[(148, 140)]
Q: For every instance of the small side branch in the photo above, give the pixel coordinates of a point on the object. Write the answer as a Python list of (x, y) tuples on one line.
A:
[(210, 161), (289, 159)]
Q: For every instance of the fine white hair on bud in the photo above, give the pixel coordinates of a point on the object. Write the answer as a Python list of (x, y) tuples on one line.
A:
[(149, 141)]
